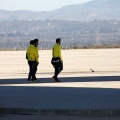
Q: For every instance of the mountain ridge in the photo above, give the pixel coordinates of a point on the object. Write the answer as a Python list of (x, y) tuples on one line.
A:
[(96, 9)]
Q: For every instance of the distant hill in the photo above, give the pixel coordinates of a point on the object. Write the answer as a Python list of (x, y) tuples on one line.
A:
[(96, 9), (17, 34)]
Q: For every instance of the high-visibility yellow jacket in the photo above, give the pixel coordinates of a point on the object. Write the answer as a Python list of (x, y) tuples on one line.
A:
[(36, 48), (31, 53), (57, 51)]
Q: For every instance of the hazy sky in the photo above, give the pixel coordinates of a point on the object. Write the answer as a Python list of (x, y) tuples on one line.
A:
[(37, 5)]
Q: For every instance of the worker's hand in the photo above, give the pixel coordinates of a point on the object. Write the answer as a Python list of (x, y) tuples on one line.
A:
[(37, 62)]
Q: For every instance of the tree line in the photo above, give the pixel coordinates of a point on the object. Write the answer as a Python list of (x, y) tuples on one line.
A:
[(15, 35)]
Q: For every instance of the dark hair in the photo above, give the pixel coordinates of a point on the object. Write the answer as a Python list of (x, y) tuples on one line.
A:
[(32, 42), (36, 40), (58, 40)]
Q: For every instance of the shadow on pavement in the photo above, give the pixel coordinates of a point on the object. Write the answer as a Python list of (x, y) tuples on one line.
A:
[(53, 97), (63, 79), (39, 97)]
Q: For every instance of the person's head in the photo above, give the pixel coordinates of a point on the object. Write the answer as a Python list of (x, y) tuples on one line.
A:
[(36, 42), (32, 42), (58, 40)]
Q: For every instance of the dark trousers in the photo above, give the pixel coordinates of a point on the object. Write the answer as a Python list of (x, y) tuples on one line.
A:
[(58, 68), (31, 70)]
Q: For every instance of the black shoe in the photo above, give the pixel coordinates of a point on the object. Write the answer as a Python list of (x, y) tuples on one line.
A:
[(29, 78), (58, 80), (55, 79)]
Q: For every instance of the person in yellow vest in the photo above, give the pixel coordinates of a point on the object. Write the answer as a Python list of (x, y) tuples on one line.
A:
[(36, 48), (32, 59), (57, 61)]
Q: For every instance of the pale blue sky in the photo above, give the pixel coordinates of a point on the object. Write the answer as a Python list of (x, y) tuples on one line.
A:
[(37, 5)]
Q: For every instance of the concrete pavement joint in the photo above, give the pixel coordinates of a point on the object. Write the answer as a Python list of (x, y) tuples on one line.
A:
[(65, 112)]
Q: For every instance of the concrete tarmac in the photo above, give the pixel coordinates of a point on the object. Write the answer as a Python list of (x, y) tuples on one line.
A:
[(73, 96), (48, 117), (80, 92)]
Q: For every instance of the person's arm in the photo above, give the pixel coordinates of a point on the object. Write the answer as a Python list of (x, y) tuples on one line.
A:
[(27, 53), (36, 56), (59, 52)]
